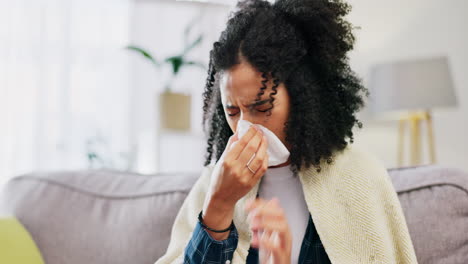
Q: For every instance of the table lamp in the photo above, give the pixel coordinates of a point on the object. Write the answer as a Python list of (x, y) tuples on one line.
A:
[(415, 87)]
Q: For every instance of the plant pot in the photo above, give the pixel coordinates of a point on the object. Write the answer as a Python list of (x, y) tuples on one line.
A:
[(175, 111)]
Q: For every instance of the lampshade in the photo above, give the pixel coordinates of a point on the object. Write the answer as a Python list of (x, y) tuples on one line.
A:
[(411, 85)]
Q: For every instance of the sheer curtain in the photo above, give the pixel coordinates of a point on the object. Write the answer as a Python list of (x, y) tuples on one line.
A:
[(64, 85)]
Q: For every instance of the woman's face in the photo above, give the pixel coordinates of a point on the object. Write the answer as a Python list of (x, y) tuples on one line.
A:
[(239, 88)]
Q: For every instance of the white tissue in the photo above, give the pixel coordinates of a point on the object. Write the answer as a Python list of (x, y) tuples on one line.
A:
[(277, 151)]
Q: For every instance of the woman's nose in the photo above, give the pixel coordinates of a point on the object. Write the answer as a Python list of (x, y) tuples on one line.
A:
[(245, 115)]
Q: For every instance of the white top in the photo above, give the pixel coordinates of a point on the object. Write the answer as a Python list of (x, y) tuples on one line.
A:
[(284, 185)]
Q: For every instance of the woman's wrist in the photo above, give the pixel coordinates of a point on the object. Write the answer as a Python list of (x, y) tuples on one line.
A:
[(200, 219), (218, 215), (220, 203)]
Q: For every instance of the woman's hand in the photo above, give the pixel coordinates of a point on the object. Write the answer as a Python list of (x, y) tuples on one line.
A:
[(241, 166), (271, 232), (245, 161)]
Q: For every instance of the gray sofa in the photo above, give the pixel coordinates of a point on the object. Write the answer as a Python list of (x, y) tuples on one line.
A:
[(81, 217)]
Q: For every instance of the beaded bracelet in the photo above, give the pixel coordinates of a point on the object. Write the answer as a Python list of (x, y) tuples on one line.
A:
[(231, 227)]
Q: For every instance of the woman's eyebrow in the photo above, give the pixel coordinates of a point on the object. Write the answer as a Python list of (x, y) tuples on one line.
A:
[(258, 103), (250, 105)]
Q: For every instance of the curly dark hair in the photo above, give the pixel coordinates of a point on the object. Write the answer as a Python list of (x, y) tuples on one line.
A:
[(303, 44)]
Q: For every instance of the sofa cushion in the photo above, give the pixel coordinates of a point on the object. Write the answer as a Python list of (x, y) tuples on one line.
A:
[(98, 216), (114, 217), (435, 203)]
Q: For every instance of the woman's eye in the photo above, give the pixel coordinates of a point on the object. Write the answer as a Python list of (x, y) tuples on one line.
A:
[(232, 113), (264, 109)]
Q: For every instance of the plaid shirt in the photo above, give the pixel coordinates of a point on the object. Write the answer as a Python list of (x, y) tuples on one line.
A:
[(202, 248)]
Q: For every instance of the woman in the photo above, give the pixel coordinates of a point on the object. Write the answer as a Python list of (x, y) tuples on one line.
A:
[(284, 68)]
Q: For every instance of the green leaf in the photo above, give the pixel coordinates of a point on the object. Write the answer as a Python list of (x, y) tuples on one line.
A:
[(196, 63), (144, 53), (193, 45), (189, 27), (177, 62)]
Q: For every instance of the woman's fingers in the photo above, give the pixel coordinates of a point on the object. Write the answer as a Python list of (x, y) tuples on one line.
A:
[(259, 163), (255, 239), (274, 250), (233, 178), (258, 220), (274, 247), (250, 162), (268, 216), (237, 148), (261, 160), (270, 222), (264, 253), (231, 140), (270, 240), (250, 149), (260, 204)]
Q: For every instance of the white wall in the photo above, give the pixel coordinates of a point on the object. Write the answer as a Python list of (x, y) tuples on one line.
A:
[(390, 30), (158, 26), (394, 30)]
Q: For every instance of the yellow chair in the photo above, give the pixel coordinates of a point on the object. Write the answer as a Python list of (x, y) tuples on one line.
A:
[(16, 245)]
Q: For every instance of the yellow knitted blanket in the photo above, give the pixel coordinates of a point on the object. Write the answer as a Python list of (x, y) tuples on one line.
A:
[(352, 202)]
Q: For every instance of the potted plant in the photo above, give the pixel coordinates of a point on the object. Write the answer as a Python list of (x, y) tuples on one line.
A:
[(174, 107)]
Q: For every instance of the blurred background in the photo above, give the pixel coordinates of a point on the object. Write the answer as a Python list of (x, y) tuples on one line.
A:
[(117, 84)]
